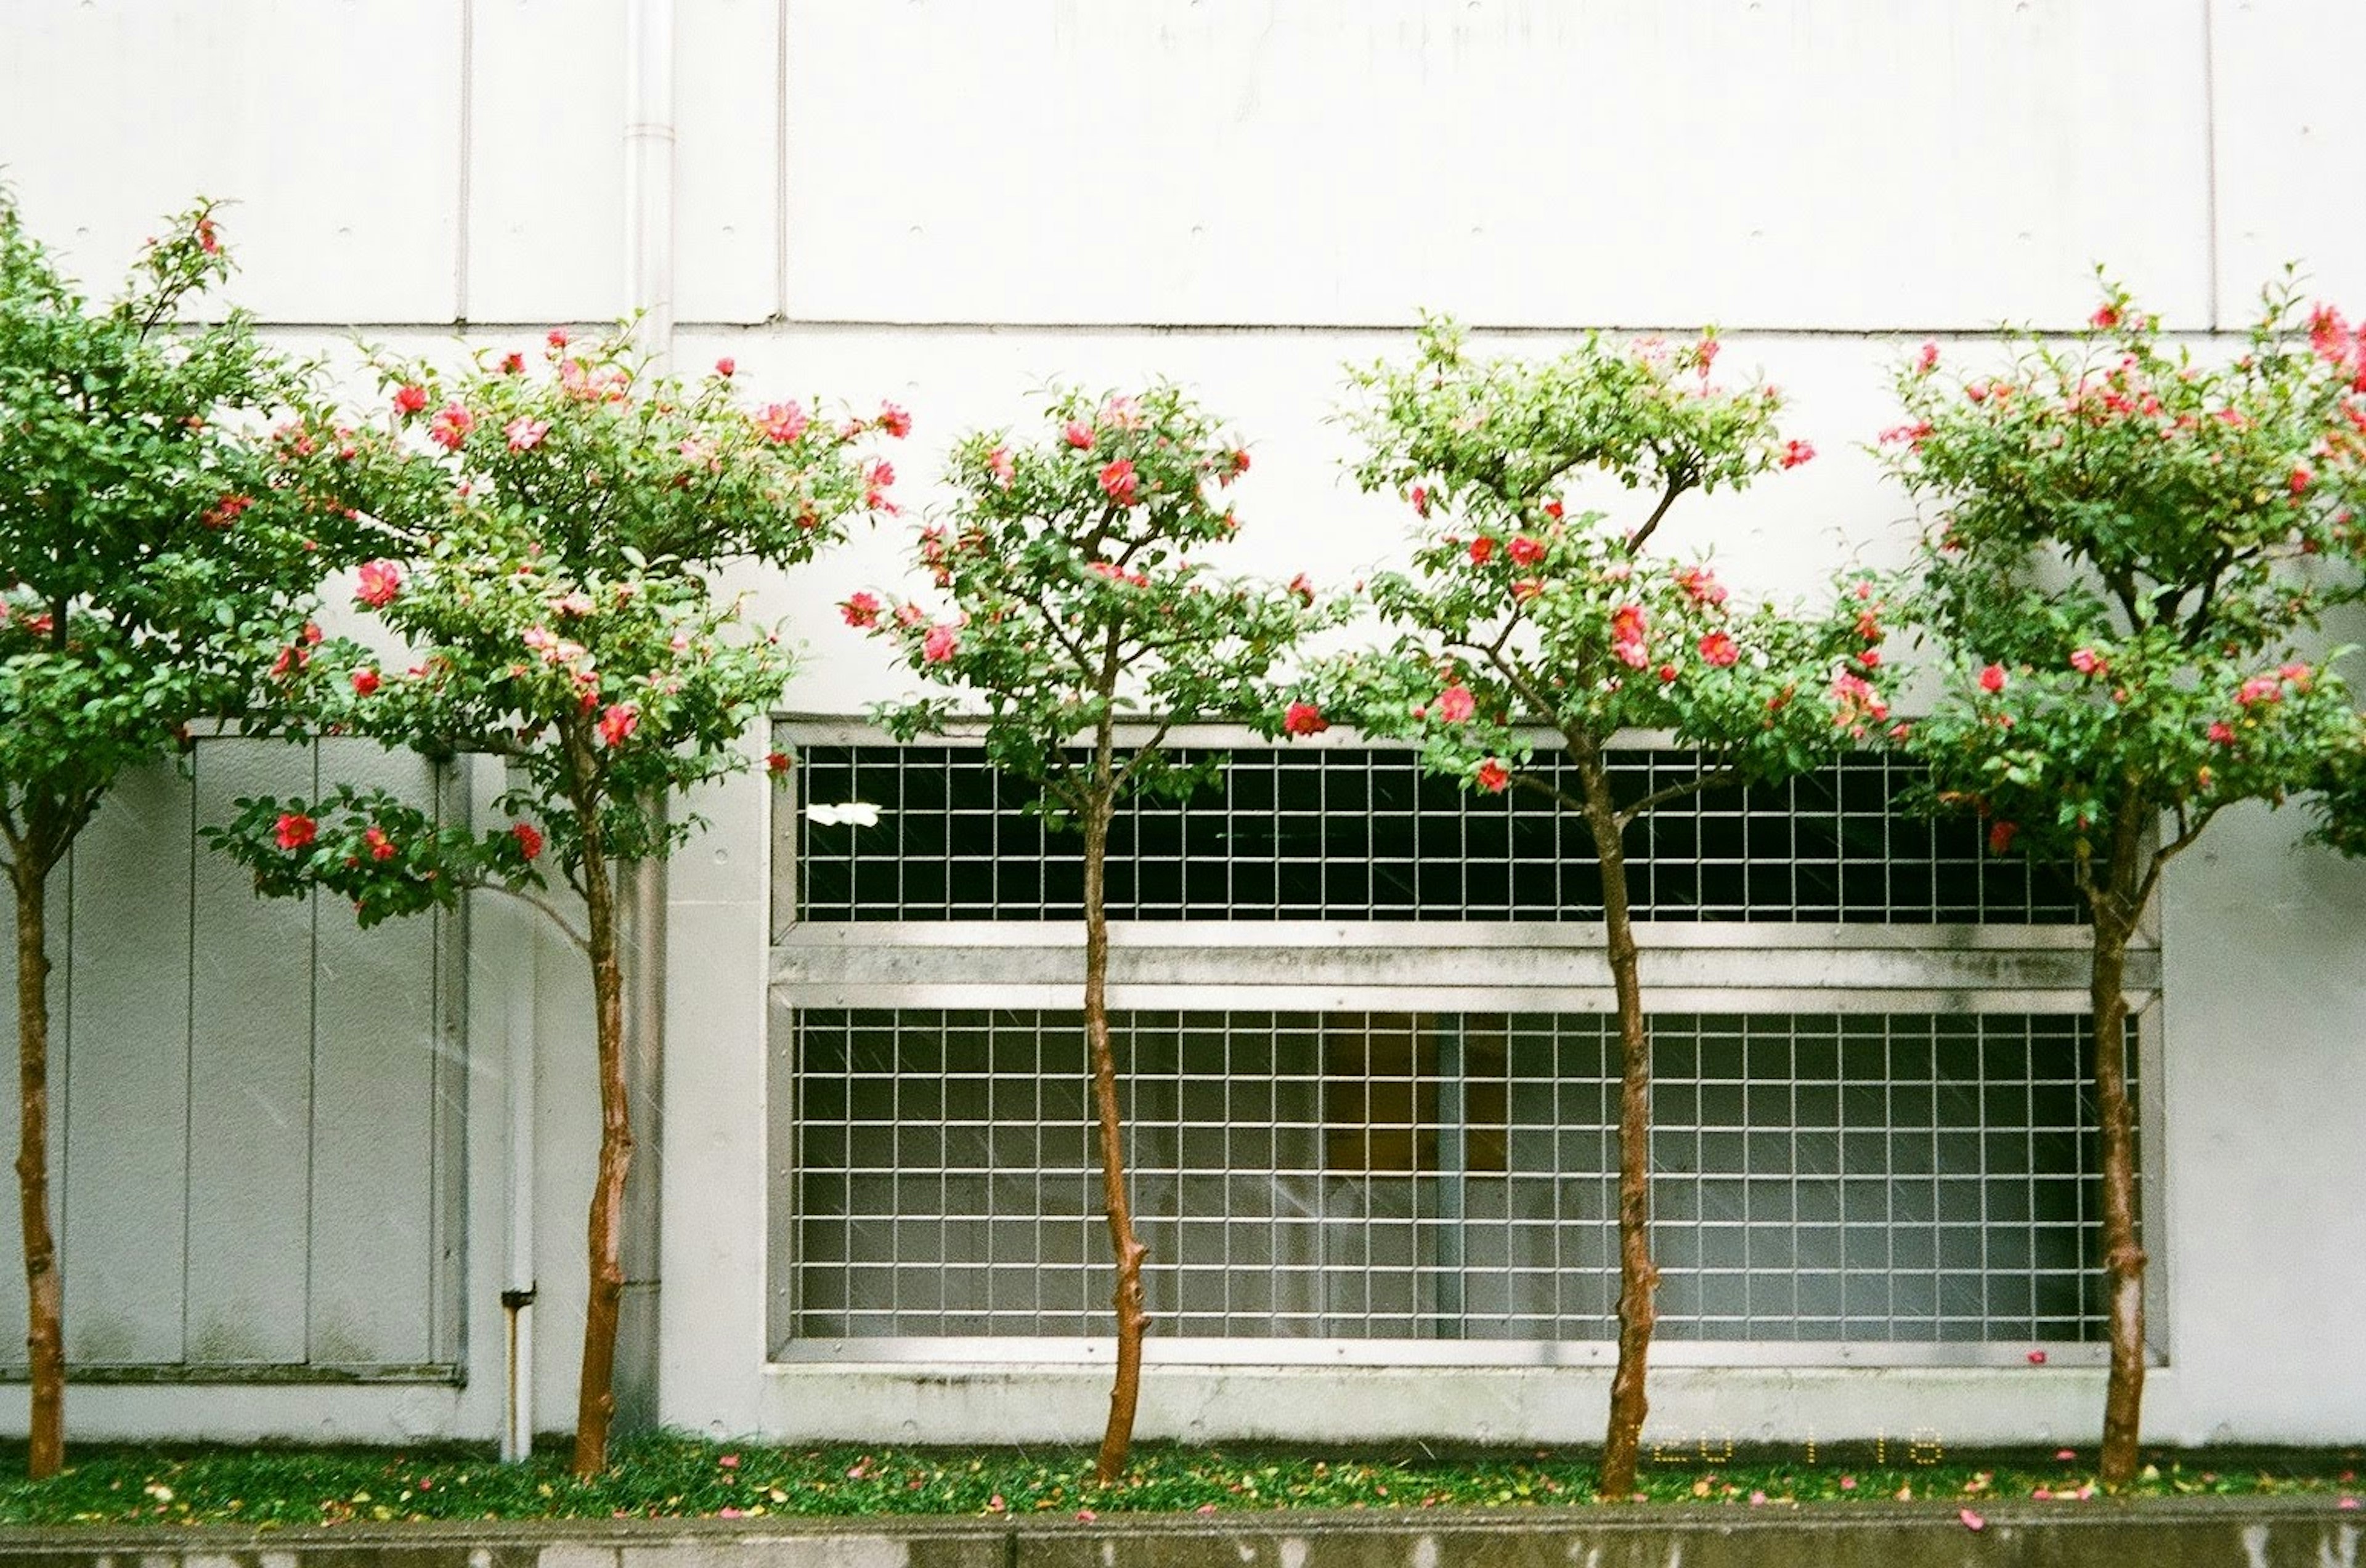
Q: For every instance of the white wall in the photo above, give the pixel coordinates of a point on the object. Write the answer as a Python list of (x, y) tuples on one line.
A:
[(946, 204)]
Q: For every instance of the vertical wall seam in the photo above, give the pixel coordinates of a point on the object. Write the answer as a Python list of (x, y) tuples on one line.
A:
[(463, 193), (780, 162), (189, 1056), (312, 1092), (2210, 154)]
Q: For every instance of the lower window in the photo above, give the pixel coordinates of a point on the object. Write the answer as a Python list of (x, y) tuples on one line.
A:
[(1894, 1181)]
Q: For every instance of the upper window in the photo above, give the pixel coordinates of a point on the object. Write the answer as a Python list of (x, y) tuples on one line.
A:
[(1332, 833)]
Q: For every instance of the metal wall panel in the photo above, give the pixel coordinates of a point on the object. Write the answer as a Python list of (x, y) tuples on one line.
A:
[(128, 1086), (546, 161), (2288, 147), (378, 1150), (250, 1099), (1760, 163), (728, 165), (334, 128)]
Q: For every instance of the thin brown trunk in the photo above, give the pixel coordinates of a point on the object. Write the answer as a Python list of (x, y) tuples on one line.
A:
[(1132, 1319), (2124, 1256), (1639, 1277), (44, 1298), (596, 1402)]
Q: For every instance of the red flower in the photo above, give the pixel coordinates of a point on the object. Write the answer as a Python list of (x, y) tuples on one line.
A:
[(1493, 775), (617, 722), (294, 830), (528, 840), (1627, 628), (1079, 435), (860, 610), (1992, 679), (2087, 661), (1718, 649), (226, 511), (2302, 477), (1118, 482), (2221, 733), (1483, 551), (1552, 510), (513, 364), (1455, 704), (410, 397), (1668, 674), (1526, 551), (451, 427), (1927, 360), (895, 420), (2000, 837), (558, 338), (1421, 501), (2105, 318), (776, 763), (380, 846), (1304, 719), (377, 582), (1239, 461), (1302, 590), (1527, 588), (1702, 584), (941, 643), (365, 681), (781, 423), (1796, 453), (727, 366)]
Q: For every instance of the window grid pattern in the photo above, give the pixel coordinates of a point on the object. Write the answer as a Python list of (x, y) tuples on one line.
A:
[(1902, 1178), (1337, 834)]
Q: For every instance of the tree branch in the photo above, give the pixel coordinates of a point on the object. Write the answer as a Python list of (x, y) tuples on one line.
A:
[(582, 944), (1716, 778), (1678, 482)]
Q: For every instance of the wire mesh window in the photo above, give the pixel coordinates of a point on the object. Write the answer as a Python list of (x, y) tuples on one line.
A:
[(1907, 1178), (1339, 834)]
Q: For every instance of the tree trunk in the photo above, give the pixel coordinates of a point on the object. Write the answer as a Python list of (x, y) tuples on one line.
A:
[(1125, 1392), (2123, 1256), (44, 1296), (1639, 1277), (595, 1405)]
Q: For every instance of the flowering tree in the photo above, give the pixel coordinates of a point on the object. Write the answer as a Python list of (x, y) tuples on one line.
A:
[(560, 527), (1073, 598), (1518, 615), (2131, 550), (156, 551)]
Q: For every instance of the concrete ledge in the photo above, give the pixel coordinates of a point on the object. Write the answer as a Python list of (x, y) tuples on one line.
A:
[(2155, 1533)]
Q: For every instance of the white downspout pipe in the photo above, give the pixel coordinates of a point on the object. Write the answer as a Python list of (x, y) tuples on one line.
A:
[(517, 1286), (648, 286)]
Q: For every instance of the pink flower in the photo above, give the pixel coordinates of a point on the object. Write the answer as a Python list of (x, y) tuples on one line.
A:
[(1526, 551), (727, 367), (617, 722), (558, 338), (1912, 434), (2261, 689), (941, 644), (1492, 776), (860, 610), (2087, 661), (1972, 1521), (525, 434), (1455, 704), (1118, 482), (895, 420), (1992, 679), (1483, 551), (2221, 733), (377, 582), (366, 681), (1796, 453), (1421, 501), (1701, 584), (781, 423), (294, 830), (451, 427), (999, 463), (528, 840), (1718, 649), (1626, 629), (380, 846), (1304, 719), (1078, 434), (410, 397), (2037, 1358), (1927, 360)]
